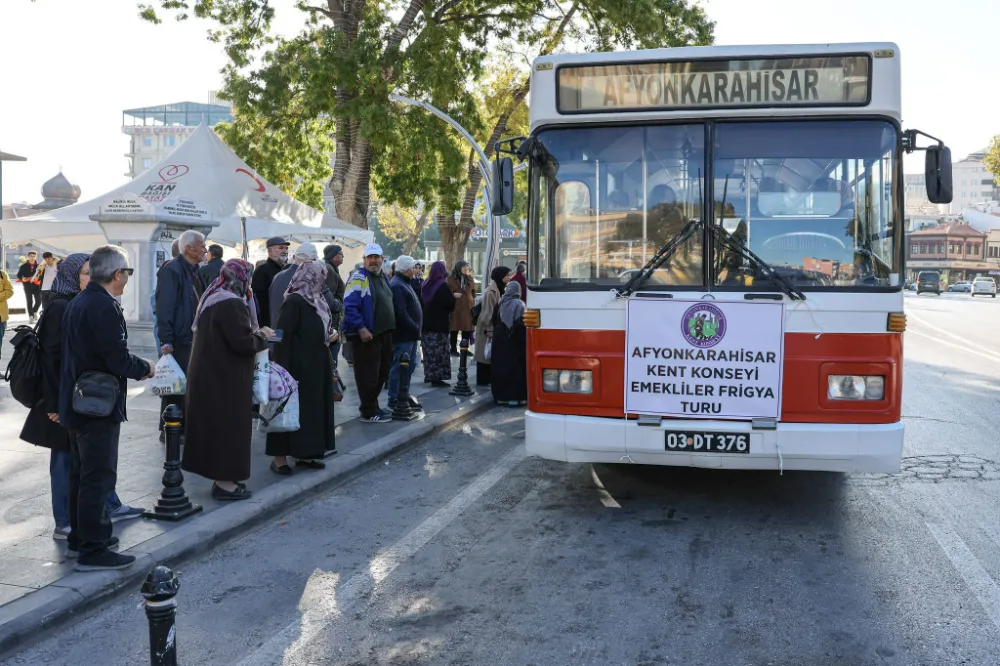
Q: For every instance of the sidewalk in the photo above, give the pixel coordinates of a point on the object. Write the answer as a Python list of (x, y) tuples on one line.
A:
[(37, 584)]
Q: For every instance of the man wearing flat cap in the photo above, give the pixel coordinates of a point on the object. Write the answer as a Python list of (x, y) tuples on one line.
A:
[(264, 274)]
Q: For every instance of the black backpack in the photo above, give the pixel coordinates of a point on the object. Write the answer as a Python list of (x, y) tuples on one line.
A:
[(24, 372)]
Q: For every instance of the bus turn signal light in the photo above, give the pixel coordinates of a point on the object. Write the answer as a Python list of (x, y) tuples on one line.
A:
[(532, 318), (897, 322)]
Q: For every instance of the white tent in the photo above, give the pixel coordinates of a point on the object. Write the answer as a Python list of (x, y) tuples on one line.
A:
[(200, 184)]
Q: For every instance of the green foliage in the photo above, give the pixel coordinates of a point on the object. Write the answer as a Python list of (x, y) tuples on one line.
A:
[(992, 159)]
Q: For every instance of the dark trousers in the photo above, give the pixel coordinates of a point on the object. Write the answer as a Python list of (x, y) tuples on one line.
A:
[(466, 335), (33, 296), (372, 361), (93, 471), (46, 297), (182, 354)]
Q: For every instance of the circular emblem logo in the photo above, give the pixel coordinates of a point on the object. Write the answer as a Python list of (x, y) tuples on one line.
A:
[(703, 325)]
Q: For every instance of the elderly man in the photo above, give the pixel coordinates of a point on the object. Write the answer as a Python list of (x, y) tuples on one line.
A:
[(369, 319), (96, 341), (305, 253), (264, 274), (178, 289), (409, 321)]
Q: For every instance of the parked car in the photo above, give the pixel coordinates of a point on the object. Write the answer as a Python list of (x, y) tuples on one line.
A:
[(985, 286), (963, 286), (929, 281)]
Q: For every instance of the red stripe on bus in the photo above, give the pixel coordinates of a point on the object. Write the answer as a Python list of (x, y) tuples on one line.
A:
[(809, 361)]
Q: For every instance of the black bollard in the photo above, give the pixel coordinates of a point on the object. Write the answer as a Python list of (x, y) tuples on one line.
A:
[(403, 411), (160, 589), (462, 385), (173, 503)]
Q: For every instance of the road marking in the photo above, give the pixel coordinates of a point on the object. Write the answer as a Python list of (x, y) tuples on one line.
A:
[(972, 572), (975, 352), (331, 602), (602, 492)]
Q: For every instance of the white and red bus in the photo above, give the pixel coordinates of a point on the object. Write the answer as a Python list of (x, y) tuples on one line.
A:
[(715, 256)]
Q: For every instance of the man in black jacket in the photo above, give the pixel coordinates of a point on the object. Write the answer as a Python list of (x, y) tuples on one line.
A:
[(178, 288), (96, 340), (263, 275), (409, 321), (32, 288), (210, 272)]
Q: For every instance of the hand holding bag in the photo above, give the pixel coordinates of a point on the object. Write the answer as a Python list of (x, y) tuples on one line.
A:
[(95, 394)]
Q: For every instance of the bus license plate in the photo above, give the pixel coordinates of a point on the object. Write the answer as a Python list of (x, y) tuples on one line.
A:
[(708, 442)]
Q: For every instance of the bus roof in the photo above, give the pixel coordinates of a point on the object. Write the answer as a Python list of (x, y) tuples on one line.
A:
[(717, 82)]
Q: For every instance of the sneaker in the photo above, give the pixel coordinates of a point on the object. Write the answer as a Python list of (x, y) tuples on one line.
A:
[(126, 512), (72, 553), (104, 560), (382, 417), (61, 533)]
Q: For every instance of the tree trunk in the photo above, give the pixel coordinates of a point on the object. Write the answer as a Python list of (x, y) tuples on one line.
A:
[(414, 237), (453, 238), (350, 183)]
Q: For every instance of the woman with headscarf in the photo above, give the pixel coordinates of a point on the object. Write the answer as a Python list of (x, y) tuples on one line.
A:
[(464, 288), (217, 413), (307, 330), (42, 428), (438, 303), (484, 325), (509, 359)]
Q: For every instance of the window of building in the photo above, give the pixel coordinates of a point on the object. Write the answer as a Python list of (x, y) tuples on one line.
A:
[(963, 183), (146, 163), (147, 141), (170, 141), (914, 249), (951, 248), (968, 248), (975, 249), (940, 248)]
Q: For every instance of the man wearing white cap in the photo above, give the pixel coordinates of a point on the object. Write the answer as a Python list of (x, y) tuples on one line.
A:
[(369, 320), (305, 252)]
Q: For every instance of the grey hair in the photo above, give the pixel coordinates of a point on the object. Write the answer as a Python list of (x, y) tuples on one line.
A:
[(175, 249), (189, 238), (105, 262)]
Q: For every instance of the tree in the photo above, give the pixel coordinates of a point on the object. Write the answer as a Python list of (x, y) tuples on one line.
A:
[(992, 159), (403, 225)]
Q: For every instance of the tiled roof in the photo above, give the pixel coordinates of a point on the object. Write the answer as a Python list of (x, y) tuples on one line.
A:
[(950, 230)]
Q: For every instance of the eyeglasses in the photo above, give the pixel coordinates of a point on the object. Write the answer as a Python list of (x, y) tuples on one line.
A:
[(127, 271)]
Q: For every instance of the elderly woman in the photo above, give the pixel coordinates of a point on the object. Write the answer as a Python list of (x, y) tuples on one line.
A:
[(217, 408), (509, 359), (464, 288), (484, 325), (438, 302), (307, 330)]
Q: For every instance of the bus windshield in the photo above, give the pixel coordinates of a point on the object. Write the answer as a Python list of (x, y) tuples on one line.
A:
[(813, 199)]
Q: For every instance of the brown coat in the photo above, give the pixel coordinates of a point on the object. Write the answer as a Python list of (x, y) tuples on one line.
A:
[(461, 318), (218, 404), (491, 297)]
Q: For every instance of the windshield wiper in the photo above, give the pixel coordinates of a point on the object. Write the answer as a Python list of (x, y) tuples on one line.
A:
[(783, 285), (661, 256)]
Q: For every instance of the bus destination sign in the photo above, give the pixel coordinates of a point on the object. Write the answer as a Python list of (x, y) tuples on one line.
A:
[(830, 81)]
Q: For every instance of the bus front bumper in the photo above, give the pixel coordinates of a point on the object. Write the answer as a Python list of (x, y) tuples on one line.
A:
[(870, 448)]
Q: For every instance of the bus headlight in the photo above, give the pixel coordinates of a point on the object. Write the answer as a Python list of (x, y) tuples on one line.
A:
[(856, 387), (568, 381)]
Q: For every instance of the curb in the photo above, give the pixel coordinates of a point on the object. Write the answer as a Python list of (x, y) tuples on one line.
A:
[(26, 620)]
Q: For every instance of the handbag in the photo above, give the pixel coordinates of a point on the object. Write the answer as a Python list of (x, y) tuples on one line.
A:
[(95, 394)]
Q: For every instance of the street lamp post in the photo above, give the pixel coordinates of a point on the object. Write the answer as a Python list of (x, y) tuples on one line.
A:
[(5, 157), (492, 224)]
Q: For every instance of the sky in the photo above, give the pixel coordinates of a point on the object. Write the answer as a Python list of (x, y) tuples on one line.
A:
[(68, 69)]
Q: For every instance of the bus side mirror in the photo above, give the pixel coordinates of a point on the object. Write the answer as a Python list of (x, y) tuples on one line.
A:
[(502, 187), (937, 174)]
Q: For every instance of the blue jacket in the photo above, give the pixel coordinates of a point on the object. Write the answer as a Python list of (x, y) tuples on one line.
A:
[(178, 289), (95, 338), (409, 314), (359, 304)]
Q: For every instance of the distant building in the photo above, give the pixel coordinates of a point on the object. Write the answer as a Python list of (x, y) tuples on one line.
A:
[(155, 131), (972, 183), (57, 192), (957, 251)]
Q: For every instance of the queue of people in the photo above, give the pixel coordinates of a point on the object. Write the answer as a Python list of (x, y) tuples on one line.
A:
[(305, 312)]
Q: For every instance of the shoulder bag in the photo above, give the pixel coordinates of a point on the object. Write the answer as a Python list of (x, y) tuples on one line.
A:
[(95, 394)]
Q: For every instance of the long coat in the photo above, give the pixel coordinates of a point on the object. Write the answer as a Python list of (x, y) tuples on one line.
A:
[(304, 353), (485, 323), (39, 429), (461, 318), (217, 409)]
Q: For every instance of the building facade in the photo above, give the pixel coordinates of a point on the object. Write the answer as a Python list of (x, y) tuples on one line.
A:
[(155, 131), (956, 251), (972, 183)]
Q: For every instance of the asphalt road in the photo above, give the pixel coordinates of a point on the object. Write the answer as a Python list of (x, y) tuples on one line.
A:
[(461, 551)]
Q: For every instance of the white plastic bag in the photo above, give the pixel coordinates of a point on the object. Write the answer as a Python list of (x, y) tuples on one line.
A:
[(281, 415), (489, 349), (261, 378), (168, 378)]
